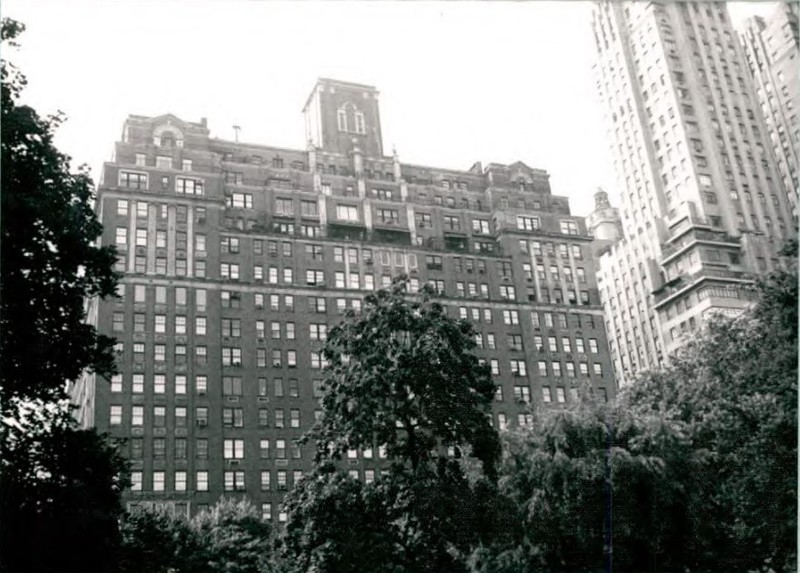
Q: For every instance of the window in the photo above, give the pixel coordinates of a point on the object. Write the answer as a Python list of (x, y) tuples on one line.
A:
[(232, 417), (284, 207), (187, 186), (122, 235), (239, 200), (231, 385), (518, 368), (527, 223), (132, 180), (360, 123), (423, 220), (522, 394), (201, 481), (387, 215), (318, 331), (234, 481), (508, 292), (451, 223), (233, 449), (480, 226), (347, 212), (510, 317), (115, 416), (569, 227), (229, 271)]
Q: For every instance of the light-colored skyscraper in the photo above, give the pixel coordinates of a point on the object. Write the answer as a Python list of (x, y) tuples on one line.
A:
[(703, 204), (773, 49)]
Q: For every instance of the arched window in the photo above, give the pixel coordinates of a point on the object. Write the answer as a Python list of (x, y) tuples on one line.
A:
[(167, 139)]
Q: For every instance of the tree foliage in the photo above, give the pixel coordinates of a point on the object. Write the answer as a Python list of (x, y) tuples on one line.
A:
[(61, 491), (694, 468), (734, 390), (402, 376), (228, 538), (51, 261), (60, 485), (594, 487)]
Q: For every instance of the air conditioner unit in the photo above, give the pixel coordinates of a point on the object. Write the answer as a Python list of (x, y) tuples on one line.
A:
[(202, 423), (233, 462), (232, 398), (368, 262)]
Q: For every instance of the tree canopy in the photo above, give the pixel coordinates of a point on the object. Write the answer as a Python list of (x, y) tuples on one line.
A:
[(230, 537), (693, 468), (402, 380), (60, 485), (61, 491)]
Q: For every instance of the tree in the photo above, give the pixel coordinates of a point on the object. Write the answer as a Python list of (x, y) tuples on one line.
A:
[(594, 488), (228, 538), (402, 378), (694, 468), (735, 390), (51, 261), (234, 537), (61, 485), (61, 491)]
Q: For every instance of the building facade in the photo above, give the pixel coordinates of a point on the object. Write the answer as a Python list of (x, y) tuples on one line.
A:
[(772, 46), (237, 258), (703, 205)]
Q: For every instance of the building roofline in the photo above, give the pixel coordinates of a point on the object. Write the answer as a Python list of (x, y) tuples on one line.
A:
[(340, 83)]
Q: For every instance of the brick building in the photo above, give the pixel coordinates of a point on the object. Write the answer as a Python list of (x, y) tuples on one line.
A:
[(238, 257)]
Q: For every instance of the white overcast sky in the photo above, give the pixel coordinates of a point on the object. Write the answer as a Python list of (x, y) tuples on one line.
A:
[(460, 81)]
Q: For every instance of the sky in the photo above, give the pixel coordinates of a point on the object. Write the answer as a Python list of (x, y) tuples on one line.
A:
[(460, 81)]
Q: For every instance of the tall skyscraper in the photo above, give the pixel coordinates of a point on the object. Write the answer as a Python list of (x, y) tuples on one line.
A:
[(703, 204), (238, 257), (772, 46)]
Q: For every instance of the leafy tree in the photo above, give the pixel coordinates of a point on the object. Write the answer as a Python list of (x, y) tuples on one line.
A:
[(695, 467), (61, 491), (402, 376), (159, 541), (234, 537), (51, 261), (228, 538), (595, 488), (735, 390), (60, 485)]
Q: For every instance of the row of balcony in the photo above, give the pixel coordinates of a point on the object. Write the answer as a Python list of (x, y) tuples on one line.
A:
[(679, 283)]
